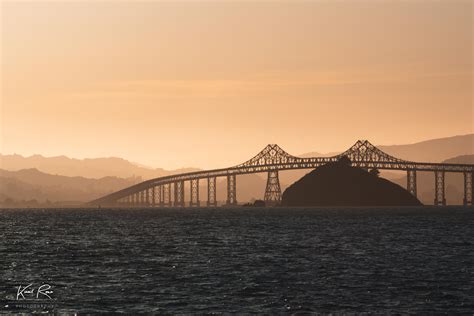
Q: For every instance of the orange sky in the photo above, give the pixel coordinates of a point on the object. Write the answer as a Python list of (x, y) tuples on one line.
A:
[(208, 84)]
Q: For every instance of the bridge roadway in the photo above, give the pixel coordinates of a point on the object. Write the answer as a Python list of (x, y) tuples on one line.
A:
[(272, 159)]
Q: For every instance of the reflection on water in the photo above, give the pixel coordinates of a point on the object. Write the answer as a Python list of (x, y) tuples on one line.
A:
[(252, 260)]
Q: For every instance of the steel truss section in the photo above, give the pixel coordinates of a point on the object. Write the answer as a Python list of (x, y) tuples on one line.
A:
[(142, 198), (156, 195), (411, 181), (468, 190), (439, 188), (162, 195), (231, 190), (147, 197), (165, 195), (273, 190), (153, 196), (211, 192), (194, 193), (179, 194)]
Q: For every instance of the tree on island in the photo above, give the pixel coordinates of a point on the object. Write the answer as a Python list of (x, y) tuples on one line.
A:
[(375, 172)]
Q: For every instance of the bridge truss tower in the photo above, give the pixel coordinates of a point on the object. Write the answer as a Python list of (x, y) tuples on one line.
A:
[(156, 195), (439, 188), (194, 193), (152, 196), (161, 200), (411, 181), (468, 192), (179, 194), (231, 190), (142, 198), (165, 196), (273, 190), (211, 191), (147, 197)]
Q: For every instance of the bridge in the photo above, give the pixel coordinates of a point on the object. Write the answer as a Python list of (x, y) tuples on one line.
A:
[(272, 159)]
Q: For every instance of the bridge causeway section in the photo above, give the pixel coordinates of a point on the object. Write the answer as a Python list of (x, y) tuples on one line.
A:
[(272, 159)]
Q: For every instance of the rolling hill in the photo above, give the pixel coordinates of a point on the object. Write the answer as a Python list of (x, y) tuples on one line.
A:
[(32, 184), (94, 168)]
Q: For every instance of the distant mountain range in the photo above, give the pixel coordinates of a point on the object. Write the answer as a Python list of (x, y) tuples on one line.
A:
[(28, 187), (434, 150), (90, 168), (79, 180)]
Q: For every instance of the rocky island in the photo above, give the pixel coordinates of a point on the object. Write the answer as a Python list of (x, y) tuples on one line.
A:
[(340, 184)]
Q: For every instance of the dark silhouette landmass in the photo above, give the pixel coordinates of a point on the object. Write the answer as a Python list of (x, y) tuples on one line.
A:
[(339, 184)]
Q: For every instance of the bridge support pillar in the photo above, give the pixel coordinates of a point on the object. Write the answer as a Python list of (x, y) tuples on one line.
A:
[(194, 193), (165, 195), (179, 194), (231, 190), (273, 190), (156, 195), (147, 197), (211, 192), (161, 189), (411, 181), (468, 191), (439, 188), (141, 198), (153, 196)]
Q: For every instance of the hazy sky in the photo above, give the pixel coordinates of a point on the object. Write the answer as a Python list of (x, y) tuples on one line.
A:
[(208, 84)]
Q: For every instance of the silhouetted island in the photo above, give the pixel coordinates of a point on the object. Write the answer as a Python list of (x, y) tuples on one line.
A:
[(339, 184)]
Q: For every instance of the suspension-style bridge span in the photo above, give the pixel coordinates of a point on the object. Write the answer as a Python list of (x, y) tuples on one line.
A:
[(272, 159)]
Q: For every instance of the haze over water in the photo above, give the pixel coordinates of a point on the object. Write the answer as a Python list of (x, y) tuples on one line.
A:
[(382, 260)]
